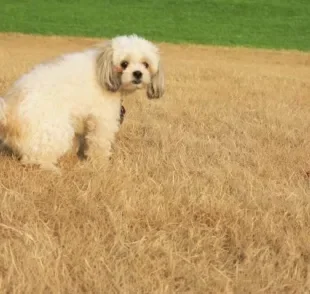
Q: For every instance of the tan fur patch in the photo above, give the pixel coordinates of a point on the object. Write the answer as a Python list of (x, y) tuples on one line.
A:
[(107, 77), (156, 88)]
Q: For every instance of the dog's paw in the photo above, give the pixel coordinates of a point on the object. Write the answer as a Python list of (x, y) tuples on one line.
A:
[(51, 167), (44, 165)]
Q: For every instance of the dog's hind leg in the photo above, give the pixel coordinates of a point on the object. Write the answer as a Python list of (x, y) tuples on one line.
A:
[(46, 144)]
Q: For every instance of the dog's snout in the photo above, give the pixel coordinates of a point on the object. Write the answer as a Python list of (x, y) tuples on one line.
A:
[(137, 74)]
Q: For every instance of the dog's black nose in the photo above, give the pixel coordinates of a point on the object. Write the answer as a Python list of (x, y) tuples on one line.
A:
[(137, 74)]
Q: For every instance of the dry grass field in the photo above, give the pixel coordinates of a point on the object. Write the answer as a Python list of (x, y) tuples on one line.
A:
[(208, 190)]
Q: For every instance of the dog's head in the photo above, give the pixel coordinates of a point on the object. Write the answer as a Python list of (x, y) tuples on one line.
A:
[(128, 63)]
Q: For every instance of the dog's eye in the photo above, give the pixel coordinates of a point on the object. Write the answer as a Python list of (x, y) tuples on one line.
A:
[(124, 64), (146, 64)]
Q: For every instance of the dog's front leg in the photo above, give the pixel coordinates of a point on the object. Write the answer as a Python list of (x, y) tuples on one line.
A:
[(99, 138)]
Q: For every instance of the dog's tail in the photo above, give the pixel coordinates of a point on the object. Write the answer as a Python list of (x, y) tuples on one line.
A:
[(4, 148), (2, 110)]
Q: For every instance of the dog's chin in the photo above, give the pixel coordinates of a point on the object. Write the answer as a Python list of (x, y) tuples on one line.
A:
[(137, 85), (133, 85)]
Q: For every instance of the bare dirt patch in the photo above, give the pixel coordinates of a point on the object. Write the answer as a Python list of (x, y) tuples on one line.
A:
[(208, 189)]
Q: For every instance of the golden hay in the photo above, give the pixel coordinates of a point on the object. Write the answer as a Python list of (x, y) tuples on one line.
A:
[(207, 191)]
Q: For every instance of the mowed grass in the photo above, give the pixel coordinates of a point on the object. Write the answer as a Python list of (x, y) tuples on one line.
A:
[(263, 23), (207, 191)]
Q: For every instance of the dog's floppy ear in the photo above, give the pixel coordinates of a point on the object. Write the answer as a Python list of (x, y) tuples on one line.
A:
[(104, 66), (156, 88)]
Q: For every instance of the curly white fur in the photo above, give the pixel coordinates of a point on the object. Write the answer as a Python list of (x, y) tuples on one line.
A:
[(77, 94)]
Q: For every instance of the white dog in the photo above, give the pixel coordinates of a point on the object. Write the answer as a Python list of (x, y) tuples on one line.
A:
[(77, 94)]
